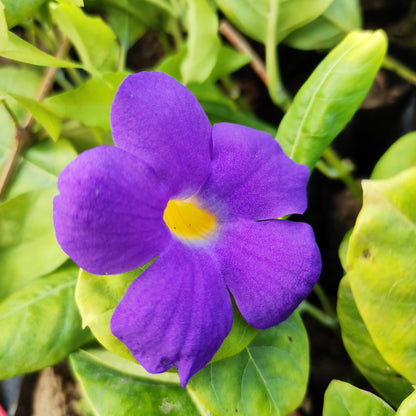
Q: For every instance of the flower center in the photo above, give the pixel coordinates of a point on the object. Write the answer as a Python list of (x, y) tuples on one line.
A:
[(187, 221)]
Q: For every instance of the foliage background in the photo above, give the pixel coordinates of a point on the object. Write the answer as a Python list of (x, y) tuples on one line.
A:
[(285, 67)]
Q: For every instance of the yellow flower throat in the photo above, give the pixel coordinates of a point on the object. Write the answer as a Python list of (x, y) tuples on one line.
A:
[(189, 222)]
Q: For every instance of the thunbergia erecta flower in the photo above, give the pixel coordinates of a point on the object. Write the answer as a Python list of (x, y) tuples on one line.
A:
[(205, 201)]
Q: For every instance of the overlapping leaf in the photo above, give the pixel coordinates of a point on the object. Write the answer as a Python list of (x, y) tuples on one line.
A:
[(251, 16), (343, 399), (381, 264), (331, 95), (98, 296), (341, 17), (113, 391), (268, 377), (360, 347), (40, 324), (28, 247)]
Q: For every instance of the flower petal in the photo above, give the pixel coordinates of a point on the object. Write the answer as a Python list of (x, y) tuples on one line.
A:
[(251, 176), (269, 267), (178, 312), (158, 119), (108, 216)]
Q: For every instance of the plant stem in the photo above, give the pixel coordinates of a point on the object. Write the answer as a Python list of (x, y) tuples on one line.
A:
[(400, 69), (343, 171), (312, 310), (277, 92), (23, 136), (326, 304), (241, 44), (122, 57)]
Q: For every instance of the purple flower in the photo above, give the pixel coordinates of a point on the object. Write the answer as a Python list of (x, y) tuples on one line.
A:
[(203, 199)]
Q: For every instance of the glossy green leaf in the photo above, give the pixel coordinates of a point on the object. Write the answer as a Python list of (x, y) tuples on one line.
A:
[(92, 38), (381, 264), (400, 156), (408, 407), (343, 248), (343, 399), (130, 19), (97, 297), (44, 115), (240, 336), (341, 17), (19, 50), (21, 81), (79, 3), (229, 60), (212, 93), (89, 103), (251, 16), (218, 113), (202, 26), (331, 95), (268, 377), (171, 64), (40, 166), (360, 347), (28, 247), (3, 28), (111, 392), (18, 10), (125, 366), (7, 131), (40, 324)]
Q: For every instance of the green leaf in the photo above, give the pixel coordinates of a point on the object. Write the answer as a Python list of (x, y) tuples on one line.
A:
[(112, 392), (89, 103), (18, 10), (40, 324), (400, 156), (40, 166), (20, 81), (268, 377), (171, 64), (118, 363), (408, 407), (343, 399), (229, 60), (202, 26), (343, 248), (364, 354), (128, 20), (341, 17), (28, 247), (3, 28), (331, 95), (251, 16), (92, 38), (97, 297), (49, 120), (381, 263), (79, 3), (220, 112), (7, 133), (19, 50)]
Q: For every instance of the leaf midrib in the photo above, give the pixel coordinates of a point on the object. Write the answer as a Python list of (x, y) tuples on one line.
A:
[(312, 100)]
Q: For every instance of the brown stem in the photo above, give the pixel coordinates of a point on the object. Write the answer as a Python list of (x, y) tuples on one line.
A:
[(24, 138), (241, 44), (49, 78)]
